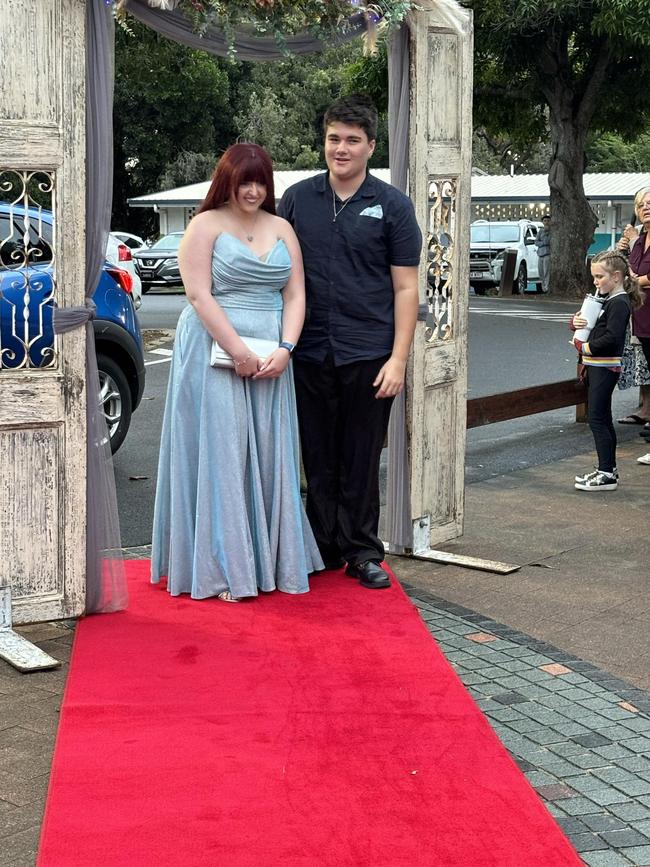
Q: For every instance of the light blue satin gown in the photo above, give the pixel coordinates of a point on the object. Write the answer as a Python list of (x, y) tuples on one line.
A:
[(228, 513)]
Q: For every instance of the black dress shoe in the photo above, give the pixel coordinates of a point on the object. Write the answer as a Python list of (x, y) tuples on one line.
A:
[(370, 575)]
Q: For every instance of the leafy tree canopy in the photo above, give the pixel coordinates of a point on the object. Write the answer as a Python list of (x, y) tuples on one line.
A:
[(608, 152), (168, 99), (527, 51)]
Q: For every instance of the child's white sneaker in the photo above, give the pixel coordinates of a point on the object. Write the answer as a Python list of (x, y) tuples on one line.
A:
[(585, 476), (598, 481)]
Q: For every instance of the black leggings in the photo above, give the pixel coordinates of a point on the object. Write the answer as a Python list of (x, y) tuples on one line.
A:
[(601, 383)]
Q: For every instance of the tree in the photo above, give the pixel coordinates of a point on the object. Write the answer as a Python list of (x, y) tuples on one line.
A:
[(281, 105), (187, 168), (571, 64), (499, 154), (608, 152), (168, 100)]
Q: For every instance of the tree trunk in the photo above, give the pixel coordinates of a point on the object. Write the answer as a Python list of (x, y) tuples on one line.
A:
[(573, 222), (572, 101)]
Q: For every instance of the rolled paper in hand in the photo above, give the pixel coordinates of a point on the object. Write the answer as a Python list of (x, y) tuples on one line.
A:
[(590, 310)]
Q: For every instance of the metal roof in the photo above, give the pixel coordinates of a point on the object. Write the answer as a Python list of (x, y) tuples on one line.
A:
[(193, 194), (604, 186), (615, 186)]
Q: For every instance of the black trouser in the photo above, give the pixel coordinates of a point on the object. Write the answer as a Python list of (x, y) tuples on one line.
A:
[(342, 430), (601, 383)]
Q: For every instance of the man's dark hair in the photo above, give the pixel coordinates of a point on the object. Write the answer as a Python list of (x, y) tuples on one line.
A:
[(354, 110)]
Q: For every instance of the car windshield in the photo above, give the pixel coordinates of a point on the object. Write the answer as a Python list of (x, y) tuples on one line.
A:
[(13, 253), (168, 242), (490, 233)]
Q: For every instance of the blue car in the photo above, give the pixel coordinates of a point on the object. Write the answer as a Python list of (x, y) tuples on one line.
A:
[(26, 310)]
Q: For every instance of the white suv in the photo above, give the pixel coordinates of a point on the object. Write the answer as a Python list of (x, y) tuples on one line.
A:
[(488, 243), (118, 253)]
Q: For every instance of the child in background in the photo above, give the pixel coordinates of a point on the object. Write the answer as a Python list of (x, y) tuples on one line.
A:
[(601, 355)]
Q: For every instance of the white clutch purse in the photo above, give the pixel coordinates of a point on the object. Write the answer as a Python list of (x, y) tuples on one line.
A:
[(257, 345)]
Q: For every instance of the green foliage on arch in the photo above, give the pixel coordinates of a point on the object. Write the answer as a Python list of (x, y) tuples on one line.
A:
[(281, 18)]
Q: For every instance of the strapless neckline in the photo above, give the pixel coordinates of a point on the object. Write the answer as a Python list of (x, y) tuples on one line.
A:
[(263, 258)]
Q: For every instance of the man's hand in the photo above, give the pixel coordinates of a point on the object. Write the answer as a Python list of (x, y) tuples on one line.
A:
[(390, 378)]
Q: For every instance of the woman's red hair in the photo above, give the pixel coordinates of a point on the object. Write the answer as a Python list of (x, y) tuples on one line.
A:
[(241, 164)]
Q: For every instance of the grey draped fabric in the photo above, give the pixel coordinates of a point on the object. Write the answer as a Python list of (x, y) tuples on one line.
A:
[(399, 95), (100, 49), (105, 579), (174, 25), (399, 533)]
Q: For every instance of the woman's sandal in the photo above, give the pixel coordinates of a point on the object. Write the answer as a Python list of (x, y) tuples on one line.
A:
[(226, 596), (632, 419)]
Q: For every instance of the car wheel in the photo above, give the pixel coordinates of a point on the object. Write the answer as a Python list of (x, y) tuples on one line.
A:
[(145, 287), (521, 283), (115, 399)]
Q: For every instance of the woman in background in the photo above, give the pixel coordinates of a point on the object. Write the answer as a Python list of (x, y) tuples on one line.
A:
[(636, 358)]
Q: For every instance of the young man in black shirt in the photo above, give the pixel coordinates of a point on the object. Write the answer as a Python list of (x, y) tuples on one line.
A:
[(361, 247)]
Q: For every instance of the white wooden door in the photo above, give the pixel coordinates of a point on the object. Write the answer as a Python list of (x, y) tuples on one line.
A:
[(440, 186), (42, 382)]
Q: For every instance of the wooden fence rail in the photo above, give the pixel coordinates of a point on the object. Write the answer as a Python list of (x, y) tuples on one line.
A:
[(528, 401)]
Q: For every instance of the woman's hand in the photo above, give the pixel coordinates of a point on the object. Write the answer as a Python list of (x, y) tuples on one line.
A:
[(247, 365), (629, 236), (273, 366)]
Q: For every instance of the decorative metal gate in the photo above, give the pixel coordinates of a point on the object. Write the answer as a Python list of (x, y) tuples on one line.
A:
[(42, 380)]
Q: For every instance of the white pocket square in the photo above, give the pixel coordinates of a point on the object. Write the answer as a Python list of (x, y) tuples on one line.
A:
[(374, 211)]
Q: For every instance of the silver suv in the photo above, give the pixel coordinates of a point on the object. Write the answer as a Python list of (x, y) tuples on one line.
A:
[(488, 243)]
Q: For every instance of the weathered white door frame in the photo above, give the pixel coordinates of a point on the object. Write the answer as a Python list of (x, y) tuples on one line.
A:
[(439, 183), (42, 411)]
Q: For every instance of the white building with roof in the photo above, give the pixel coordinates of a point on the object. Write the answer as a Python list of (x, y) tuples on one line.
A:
[(494, 197)]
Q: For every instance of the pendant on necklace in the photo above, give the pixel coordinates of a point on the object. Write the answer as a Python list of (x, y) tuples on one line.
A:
[(249, 238)]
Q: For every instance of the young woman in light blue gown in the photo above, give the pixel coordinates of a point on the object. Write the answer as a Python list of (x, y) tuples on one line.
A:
[(229, 520)]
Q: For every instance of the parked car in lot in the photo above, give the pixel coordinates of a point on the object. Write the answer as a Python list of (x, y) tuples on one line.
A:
[(488, 243), (133, 242), (118, 253), (26, 313), (158, 265)]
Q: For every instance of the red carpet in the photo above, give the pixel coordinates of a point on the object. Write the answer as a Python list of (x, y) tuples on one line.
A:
[(324, 729)]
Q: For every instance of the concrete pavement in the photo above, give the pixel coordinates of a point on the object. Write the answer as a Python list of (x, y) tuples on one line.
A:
[(557, 655)]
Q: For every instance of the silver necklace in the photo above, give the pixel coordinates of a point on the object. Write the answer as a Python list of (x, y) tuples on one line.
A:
[(250, 237), (336, 213)]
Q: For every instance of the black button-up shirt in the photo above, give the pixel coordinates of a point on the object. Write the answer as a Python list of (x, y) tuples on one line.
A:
[(350, 298)]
